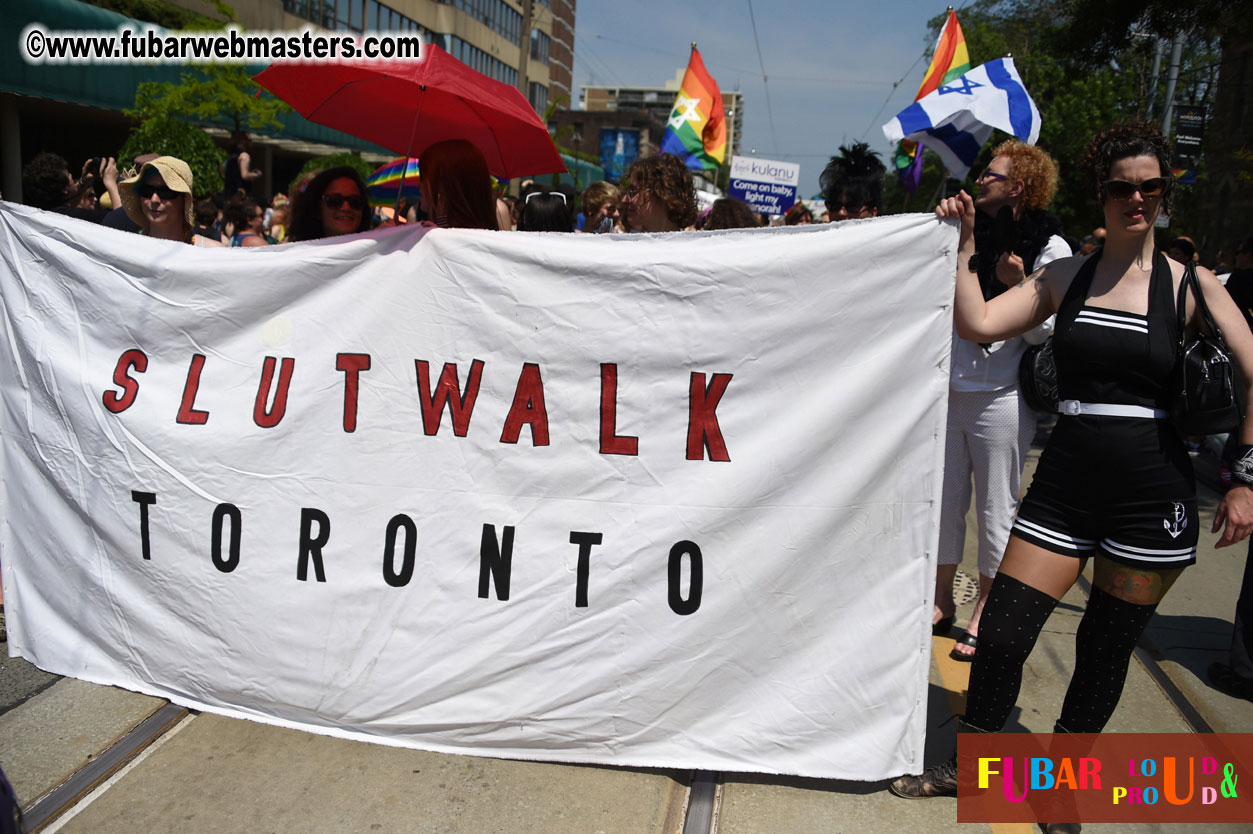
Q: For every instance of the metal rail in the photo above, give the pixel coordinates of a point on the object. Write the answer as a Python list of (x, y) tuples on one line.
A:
[(63, 797)]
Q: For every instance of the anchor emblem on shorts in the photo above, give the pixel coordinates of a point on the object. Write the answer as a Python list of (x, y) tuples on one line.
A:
[(1179, 523)]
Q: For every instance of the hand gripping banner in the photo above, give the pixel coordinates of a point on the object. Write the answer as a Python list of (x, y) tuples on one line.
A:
[(665, 501)]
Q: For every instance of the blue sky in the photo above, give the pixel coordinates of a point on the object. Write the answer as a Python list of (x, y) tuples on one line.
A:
[(831, 64)]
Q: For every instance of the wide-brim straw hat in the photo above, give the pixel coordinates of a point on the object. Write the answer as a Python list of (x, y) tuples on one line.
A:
[(177, 176)]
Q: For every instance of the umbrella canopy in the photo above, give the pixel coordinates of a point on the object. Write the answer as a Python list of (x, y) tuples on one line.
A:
[(407, 106), (384, 185)]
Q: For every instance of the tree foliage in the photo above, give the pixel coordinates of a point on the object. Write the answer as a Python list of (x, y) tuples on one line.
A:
[(320, 163), (1078, 91), (1099, 27), (171, 137), (215, 94)]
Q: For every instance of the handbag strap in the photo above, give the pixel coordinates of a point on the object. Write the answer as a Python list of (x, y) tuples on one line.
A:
[(1190, 280)]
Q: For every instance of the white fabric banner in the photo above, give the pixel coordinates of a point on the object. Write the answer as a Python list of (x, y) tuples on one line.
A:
[(665, 501)]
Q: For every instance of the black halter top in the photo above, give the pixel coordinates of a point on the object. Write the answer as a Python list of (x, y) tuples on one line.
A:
[(1112, 356)]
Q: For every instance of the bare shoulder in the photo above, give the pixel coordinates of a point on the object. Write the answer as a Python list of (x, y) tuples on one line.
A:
[(1054, 277), (1208, 279)]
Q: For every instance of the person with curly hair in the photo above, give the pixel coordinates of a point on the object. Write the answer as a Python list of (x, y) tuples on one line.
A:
[(660, 195), (990, 426), (48, 184), (852, 183), (332, 203), (1115, 482)]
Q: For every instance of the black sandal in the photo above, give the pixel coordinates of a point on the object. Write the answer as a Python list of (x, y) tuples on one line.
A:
[(944, 625), (966, 639)]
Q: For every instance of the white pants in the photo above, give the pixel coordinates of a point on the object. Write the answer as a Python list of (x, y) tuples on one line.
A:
[(988, 435)]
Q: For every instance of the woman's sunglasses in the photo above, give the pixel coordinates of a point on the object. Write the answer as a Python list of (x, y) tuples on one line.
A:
[(1150, 189), (334, 201), (166, 193), (985, 174)]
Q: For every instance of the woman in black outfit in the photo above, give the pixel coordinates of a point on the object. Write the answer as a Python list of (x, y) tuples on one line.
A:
[(1115, 482)]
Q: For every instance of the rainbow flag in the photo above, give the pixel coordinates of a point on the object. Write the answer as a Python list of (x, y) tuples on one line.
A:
[(697, 129), (951, 60)]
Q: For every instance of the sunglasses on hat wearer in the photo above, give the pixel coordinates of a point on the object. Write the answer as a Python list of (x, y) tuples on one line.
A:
[(1150, 189), (163, 191), (334, 201)]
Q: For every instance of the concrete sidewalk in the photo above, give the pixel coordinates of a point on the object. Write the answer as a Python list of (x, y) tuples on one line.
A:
[(213, 774)]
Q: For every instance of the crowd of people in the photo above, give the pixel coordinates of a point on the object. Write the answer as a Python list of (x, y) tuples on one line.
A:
[(455, 191), (1112, 470)]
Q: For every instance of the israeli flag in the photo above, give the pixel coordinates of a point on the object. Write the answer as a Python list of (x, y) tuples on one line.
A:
[(958, 118)]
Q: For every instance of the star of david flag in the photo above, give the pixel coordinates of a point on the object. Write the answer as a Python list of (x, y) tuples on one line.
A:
[(697, 129), (959, 116)]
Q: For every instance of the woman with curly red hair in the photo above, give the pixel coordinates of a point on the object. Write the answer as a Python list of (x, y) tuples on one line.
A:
[(1115, 483), (660, 196)]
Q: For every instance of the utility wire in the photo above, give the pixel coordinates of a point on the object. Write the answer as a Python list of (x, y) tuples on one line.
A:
[(596, 63), (670, 52), (765, 81), (875, 119), (817, 79)]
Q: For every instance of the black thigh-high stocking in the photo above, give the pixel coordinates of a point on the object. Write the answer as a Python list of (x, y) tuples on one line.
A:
[(1104, 642), (1012, 618)]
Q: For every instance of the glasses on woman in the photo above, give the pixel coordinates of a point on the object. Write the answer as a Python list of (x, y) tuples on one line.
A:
[(166, 193), (985, 174), (334, 201), (1150, 189)]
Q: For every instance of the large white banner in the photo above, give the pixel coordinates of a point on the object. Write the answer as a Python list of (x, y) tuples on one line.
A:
[(653, 501)]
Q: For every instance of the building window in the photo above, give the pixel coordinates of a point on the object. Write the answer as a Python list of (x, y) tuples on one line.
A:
[(479, 60), (539, 46), (538, 96)]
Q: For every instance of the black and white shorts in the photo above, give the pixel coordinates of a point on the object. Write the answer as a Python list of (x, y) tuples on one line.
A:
[(1123, 486)]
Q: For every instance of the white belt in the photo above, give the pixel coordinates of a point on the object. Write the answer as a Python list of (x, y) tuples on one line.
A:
[(1073, 407)]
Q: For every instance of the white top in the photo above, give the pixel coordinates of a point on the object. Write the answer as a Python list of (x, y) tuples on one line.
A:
[(974, 369)]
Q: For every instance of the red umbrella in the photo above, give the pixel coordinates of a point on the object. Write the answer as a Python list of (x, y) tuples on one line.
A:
[(407, 106)]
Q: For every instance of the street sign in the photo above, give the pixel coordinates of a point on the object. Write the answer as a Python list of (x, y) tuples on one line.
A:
[(768, 186), (1189, 128)]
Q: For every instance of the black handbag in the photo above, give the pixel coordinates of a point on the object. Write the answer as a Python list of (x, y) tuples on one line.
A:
[(1205, 389), (1037, 377)]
